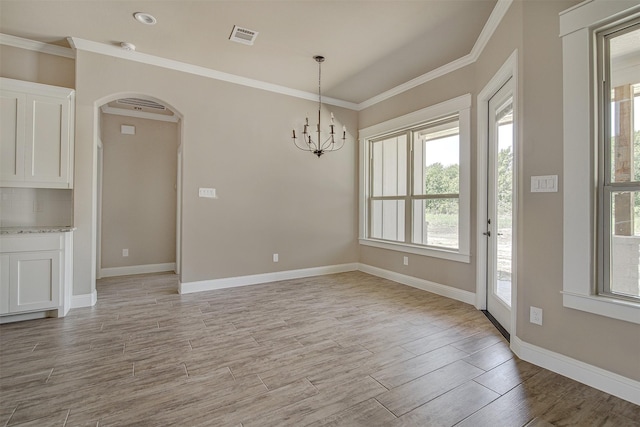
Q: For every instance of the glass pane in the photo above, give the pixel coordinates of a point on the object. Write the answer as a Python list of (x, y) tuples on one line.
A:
[(435, 222), (625, 243), (504, 200), (387, 220), (624, 61), (436, 159), (389, 167)]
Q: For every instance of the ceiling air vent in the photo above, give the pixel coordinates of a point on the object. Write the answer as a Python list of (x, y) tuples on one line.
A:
[(137, 102), (243, 35)]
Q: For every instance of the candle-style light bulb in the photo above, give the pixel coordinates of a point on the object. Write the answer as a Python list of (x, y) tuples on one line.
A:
[(331, 118)]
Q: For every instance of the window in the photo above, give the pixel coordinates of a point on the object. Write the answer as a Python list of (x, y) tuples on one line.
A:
[(618, 65), (597, 59), (415, 182)]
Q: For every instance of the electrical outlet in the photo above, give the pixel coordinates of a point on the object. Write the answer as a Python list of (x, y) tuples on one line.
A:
[(125, 252), (275, 257), (535, 315), (406, 260)]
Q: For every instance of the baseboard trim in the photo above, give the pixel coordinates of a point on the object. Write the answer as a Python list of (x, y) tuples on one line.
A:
[(425, 285), (232, 282), (595, 377), (84, 300), (137, 269)]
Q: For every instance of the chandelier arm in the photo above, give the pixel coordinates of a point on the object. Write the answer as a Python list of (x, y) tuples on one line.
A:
[(310, 145)]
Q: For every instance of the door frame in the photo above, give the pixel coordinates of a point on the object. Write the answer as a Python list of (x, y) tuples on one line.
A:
[(509, 70), (97, 189)]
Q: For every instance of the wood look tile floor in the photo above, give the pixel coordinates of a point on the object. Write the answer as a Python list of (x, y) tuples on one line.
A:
[(340, 350)]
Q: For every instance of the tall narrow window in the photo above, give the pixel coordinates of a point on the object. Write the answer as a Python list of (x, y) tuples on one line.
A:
[(619, 167)]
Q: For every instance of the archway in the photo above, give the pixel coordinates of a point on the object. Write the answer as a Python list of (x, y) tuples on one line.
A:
[(142, 134)]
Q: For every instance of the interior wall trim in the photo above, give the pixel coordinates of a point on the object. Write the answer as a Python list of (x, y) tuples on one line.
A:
[(499, 10), (255, 279), (607, 381), (84, 300), (425, 285), (139, 114), (137, 269), (19, 42)]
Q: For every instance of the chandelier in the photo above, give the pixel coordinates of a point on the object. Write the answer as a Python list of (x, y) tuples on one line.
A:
[(318, 147)]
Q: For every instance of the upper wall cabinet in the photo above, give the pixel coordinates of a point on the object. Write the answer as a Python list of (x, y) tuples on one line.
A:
[(36, 135)]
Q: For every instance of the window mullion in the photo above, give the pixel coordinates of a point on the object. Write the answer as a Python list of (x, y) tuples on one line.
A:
[(408, 204)]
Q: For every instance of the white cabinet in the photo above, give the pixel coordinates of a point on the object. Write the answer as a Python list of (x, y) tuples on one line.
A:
[(34, 276), (36, 135)]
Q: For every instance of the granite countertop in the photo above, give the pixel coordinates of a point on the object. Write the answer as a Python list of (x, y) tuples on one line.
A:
[(36, 229)]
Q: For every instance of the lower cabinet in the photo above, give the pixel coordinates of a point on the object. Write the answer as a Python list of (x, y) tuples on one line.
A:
[(34, 274)]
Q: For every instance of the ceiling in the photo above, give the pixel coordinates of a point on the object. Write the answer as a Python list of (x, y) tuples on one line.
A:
[(370, 46)]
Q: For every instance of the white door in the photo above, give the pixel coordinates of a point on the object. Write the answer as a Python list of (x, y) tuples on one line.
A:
[(501, 187)]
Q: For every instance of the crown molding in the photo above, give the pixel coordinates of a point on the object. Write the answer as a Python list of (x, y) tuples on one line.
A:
[(105, 49), (138, 114), (19, 42), (499, 10)]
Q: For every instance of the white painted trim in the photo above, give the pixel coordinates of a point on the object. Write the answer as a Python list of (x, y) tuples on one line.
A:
[(36, 88), (601, 379), (105, 49), (508, 70), (84, 300), (490, 26), (417, 117), (609, 307), (19, 42), (255, 279), (417, 250), (594, 13), (425, 285), (138, 114), (460, 105), (23, 316), (499, 10), (579, 165), (137, 269)]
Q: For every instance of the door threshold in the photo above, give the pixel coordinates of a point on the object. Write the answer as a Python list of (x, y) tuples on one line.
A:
[(498, 326)]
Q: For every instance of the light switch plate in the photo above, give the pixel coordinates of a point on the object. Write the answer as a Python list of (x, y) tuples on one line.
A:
[(209, 193), (544, 184)]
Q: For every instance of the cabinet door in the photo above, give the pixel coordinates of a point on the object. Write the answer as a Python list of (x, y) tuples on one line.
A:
[(34, 281), (4, 283), (12, 130), (47, 140)]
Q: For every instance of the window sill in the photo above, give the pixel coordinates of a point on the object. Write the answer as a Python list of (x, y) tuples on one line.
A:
[(418, 250), (627, 311)]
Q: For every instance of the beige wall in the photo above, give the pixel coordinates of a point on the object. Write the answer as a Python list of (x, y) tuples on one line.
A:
[(21, 64), (532, 27), (273, 198), (138, 191)]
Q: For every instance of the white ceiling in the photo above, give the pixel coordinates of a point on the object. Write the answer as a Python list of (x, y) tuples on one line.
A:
[(370, 46)]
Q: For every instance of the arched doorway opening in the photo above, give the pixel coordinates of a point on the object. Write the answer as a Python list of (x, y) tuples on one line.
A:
[(138, 185)]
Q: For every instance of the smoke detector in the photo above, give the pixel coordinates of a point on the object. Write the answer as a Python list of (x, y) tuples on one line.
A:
[(128, 46), (243, 35)]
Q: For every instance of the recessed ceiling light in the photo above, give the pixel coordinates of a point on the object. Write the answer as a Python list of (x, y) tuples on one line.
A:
[(128, 46), (145, 18)]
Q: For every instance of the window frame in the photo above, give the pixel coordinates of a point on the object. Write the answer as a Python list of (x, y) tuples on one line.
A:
[(580, 157), (460, 107), (606, 186)]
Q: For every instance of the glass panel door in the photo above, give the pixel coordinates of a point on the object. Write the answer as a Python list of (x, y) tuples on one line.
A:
[(501, 244)]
